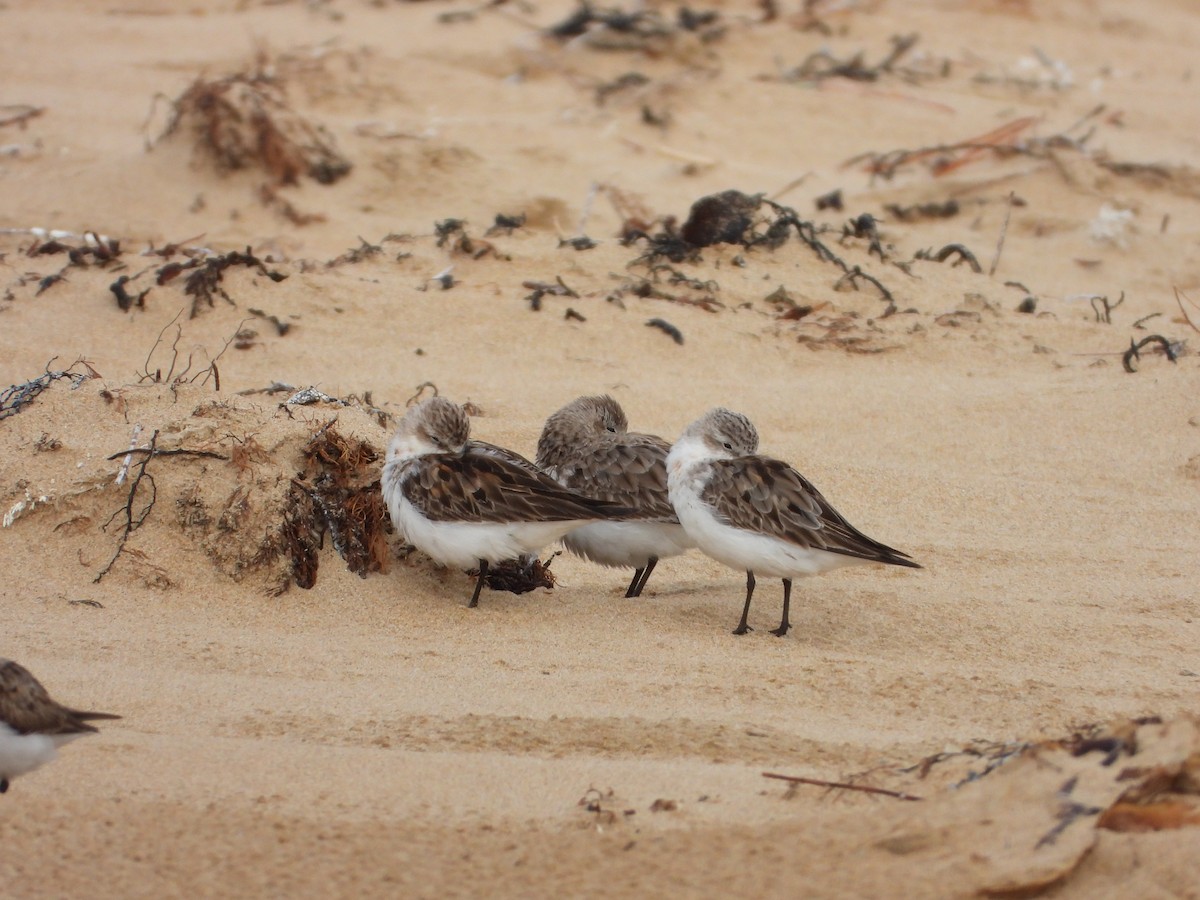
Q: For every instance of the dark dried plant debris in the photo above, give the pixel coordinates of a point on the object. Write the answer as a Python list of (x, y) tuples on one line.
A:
[(1003, 142), (865, 226), (453, 233), (720, 218), (505, 224), (1102, 308), (753, 222), (125, 300), (99, 249), (917, 212), (16, 397), (964, 256), (583, 242), (364, 250), (281, 327), (620, 83), (667, 328), (180, 371), (338, 492), (648, 290), (832, 200), (272, 199), (205, 281), (19, 114), (244, 120), (1171, 350), (518, 577), (822, 64), (540, 289), (646, 29)]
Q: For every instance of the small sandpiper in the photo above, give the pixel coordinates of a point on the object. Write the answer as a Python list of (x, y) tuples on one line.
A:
[(467, 504), (587, 446), (32, 725), (758, 514)]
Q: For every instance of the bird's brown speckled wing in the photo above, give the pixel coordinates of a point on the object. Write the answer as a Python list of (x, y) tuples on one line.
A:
[(27, 707), (629, 469), (767, 496), (481, 486)]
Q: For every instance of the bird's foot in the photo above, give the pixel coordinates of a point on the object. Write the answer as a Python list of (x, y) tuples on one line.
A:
[(781, 630), (742, 629)]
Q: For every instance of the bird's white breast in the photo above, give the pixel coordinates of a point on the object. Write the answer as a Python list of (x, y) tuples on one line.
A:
[(21, 753), (689, 467)]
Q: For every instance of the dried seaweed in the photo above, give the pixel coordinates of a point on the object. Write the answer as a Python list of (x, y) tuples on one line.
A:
[(667, 328), (964, 256), (19, 113), (244, 120), (338, 492), (452, 234), (205, 281), (1002, 142), (518, 576), (720, 218), (539, 289), (1171, 350), (918, 212), (16, 397), (822, 64), (645, 29)]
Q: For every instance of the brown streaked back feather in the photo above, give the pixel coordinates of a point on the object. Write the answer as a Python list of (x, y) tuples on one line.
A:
[(587, 446), (767, 496), (481, 486), (27, 707), (629, 469)]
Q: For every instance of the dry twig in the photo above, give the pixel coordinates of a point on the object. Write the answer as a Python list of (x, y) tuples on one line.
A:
[(133, 521), (842, 785)]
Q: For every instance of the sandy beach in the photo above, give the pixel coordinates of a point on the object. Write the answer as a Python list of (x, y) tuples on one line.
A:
[(210, 208)]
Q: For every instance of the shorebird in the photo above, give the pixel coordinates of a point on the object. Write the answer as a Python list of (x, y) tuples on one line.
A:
[(32, 725), (587, 446), (467, 504), (759, 514)]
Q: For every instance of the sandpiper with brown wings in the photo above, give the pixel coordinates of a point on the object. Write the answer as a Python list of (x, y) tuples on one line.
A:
[(467, 504), (587, 446), (32, 725), (759, 514)]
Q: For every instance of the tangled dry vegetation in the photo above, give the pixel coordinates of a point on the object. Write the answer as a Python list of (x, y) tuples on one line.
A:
[(255, 488), (243, 120)]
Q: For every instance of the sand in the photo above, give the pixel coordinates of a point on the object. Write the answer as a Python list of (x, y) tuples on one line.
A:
[(371, 736)]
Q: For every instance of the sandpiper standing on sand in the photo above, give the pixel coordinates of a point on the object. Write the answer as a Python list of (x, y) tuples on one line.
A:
[(32, 725), (470, 505), (759, 514), (587, 447)]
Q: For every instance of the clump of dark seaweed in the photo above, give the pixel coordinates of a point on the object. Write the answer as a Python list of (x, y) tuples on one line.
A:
[(338, 492)]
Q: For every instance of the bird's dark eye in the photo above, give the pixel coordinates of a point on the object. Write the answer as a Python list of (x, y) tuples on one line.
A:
[(611, 429), (729, 446)]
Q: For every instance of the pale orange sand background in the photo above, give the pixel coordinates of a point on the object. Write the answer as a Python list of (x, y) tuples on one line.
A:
[(375, 737)]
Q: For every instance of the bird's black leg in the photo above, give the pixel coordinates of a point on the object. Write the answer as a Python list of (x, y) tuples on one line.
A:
[(742, 626), (3, 785), (483, 567), (784, 625), (633, 585), (641, 576)]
